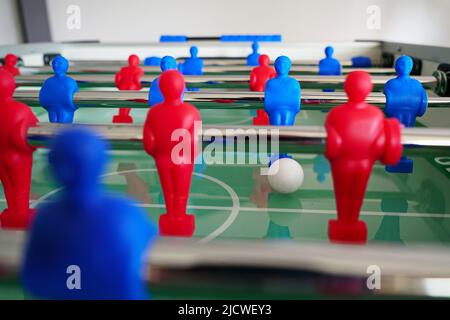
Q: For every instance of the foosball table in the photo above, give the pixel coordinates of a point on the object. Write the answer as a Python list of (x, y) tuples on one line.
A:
[(255, 236)]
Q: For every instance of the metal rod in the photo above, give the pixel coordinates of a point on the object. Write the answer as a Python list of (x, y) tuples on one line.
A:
[(119, 98), (304, 135), (206, 62), (206, 69), (406, 269), (222, 78), (336, 259)]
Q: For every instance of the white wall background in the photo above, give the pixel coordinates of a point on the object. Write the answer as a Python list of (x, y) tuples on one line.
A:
[(414, 21), (417, 21), (146, 20), (9, 23)]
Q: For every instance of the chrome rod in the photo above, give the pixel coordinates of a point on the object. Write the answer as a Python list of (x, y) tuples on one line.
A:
[(303, 135), (206, 62), (222, 78), (207, 69), (407, 270), (219, 96)]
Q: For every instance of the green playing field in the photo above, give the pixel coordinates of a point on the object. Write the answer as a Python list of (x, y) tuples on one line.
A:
[(234, 201)]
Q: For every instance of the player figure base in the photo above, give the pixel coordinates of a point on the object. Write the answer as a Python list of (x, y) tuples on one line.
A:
[(122, 119), (9, 220), (405, 165), (339, 232), (177, 227)]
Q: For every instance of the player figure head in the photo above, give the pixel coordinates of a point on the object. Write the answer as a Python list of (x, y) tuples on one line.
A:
[(168, 63), (194, 51), (11, 60), (358, 85), (133, 60), (329, 51), (77, 158), (171, 84), (60, 65), (255, 47), (7, 85), (264, 60), (282, 65), (404, 65)]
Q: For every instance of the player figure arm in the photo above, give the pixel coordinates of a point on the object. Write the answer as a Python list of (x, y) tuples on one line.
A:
[(138, 76), (118, 79), (268, 101), (148, 136), (424, 104), (339, 68), (19, 138), (387, 94), (333, 143), (252, 81), (299, 95), (393, 147), (73, 89), (43, 93)]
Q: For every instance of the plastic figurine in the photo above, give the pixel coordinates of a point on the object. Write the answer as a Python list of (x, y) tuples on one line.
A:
[(128, 78), (282, 95), (152, 61), (261, 74), (329, 66), (361, 62), (16, 155), (253, 58), (9, 64), (56, 95), (154, 95), (174, 158), (193, 65), (258, 79), (86, 244), (352, 154), (406, 99)]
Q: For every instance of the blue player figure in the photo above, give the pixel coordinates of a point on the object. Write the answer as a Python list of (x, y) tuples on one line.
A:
[(86, 244), (155, 96), (329, 66), (252, 58), (193, 65), (282, 95), (56, 95), (406, 99), (152, 61), (361, 62)]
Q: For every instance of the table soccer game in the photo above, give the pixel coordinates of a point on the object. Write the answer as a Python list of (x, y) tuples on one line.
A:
[(208, 160)]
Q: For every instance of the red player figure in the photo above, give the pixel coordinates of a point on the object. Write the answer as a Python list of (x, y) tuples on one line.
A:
[(175, 164), (9, 64), (128, 78), (357, 136), (16, 155), (258, 78)]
